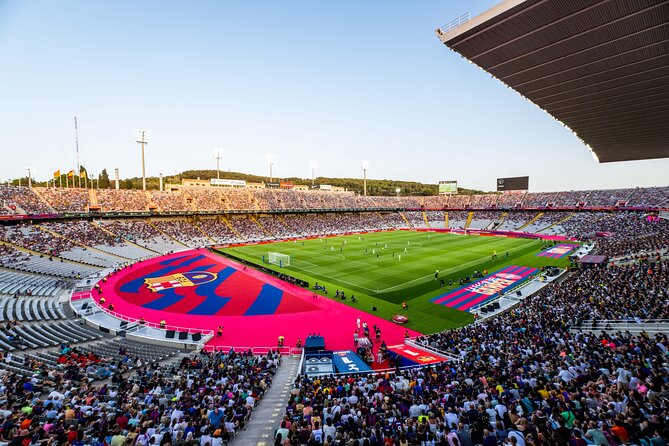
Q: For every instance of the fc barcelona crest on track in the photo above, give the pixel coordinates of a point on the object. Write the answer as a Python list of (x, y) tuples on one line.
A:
[(193, 278)]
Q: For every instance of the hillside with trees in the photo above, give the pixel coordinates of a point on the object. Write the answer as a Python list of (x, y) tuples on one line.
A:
[(374, 186)]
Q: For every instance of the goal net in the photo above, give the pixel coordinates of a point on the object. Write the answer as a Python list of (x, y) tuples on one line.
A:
[(276, 258)]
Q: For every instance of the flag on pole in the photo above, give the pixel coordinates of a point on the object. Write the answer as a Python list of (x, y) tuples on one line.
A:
[(83, 173), (70, 174), (56, 174)]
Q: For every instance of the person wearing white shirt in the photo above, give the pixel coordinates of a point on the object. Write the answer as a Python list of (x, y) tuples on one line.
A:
[(451, 418), (501, 410)]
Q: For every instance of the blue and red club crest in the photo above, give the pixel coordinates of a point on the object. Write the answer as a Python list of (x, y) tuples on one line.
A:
[(188, 279)]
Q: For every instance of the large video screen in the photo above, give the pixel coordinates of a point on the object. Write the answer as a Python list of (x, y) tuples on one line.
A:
[(448, 187), (513, 183)]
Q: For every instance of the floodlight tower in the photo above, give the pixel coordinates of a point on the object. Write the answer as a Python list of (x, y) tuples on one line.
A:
[(313, 164), (270, 162), (143, 139), (365, 166), (218, 157), (30, 180)]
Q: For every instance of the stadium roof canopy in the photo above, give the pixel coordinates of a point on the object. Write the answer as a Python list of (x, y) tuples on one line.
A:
[(601, 67)]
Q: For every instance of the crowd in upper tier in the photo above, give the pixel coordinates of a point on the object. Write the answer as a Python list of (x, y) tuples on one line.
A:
[(23, 200), (528, 377)]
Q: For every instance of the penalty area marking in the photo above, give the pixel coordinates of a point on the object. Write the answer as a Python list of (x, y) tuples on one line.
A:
[(448, 270)]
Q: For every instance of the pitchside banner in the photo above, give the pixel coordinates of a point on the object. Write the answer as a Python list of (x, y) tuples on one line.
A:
[(513, 183), (415, 355), (559, 251), (348, 362), (485, 289)]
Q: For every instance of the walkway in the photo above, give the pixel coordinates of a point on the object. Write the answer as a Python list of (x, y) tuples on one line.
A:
[(266, 418)]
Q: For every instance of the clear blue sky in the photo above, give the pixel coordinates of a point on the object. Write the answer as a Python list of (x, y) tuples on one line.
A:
[(339, 82)]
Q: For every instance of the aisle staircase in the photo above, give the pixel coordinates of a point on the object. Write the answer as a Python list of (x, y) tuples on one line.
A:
[(446, 220), (257, 222), (125, 240), (427, 222), (148, 222), (502, 218), (532, 220), (202, 231), (285, 223), (93, 197), (557, 222), (267, 416), (232, 228), (404, 217), (470, 217), (38, 192)]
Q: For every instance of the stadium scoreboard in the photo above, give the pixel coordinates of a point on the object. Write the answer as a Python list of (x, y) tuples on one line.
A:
[(448, 187), (513, 183)]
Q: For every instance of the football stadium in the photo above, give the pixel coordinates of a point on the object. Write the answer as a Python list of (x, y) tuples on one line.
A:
[(214, 307)]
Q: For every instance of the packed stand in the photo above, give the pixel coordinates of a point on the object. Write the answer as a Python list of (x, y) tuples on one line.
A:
[(539, 199), (248, 229), (122, 200), (182, 231), (203, 400), (65, 200), (207, 199), (169, 201), (218, 230), (21, 200)]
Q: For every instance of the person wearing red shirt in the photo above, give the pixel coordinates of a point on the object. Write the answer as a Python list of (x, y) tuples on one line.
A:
[(122, 421)]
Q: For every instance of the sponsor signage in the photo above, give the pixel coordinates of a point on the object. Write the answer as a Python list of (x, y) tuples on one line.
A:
[(325, 187), (478, 292), (348, 362), (273, 185), (286, 185), (416, 355), (559, 251), (222, 182)]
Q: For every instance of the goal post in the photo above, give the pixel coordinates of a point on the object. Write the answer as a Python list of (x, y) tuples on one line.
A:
[(276, 258)]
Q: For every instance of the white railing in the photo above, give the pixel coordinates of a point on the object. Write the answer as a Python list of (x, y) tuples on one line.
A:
[(648, 325), (206, 334), (456, 22), (414, 343), (284, 351)]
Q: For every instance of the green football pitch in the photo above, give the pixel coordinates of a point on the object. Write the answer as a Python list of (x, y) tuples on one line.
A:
[(382, 269)]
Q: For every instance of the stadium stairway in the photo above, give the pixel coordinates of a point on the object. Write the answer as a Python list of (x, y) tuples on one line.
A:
[(532, 220), (38, 192), (404, 217), (264, 231), (232, 228), (557, 223), (203, 233), (166, 234), (93, 197), (446, 220), (266, 417), (427, 222), (470, 217), (285, 223), (125, 240)]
